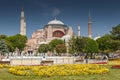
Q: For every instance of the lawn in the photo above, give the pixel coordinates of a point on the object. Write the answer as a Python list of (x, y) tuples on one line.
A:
[(113, 74)]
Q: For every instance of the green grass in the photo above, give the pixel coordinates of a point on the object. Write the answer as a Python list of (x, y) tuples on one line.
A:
[(114, 74)]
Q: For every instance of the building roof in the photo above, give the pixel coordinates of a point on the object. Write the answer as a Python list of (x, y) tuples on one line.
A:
[(55, 21), (97, 37)]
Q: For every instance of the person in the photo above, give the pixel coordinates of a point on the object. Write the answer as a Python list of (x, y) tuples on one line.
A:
[(43, 58), (86, 57)]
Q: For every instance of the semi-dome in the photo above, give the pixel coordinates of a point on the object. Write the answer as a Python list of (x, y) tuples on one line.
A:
[(55, 21)]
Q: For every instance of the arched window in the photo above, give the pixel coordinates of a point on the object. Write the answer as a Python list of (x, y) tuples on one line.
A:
[(58, 33)]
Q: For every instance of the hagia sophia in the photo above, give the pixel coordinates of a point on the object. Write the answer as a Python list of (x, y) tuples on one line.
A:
[(55, 29)]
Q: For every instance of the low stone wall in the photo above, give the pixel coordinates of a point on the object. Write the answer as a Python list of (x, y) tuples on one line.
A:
[(38, 60), (35, 60)]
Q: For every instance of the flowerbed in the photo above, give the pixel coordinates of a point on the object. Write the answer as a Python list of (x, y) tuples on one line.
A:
[(1, 66), (116, 67), (18, 72), (100, 63), (115, 62), (4, 66), (58, 70)]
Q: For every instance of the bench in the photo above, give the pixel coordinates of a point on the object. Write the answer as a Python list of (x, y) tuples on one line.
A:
[(78, 60), (4, 62), (46, 63)]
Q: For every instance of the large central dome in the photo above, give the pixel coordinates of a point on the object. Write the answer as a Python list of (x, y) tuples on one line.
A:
[(55, 21)]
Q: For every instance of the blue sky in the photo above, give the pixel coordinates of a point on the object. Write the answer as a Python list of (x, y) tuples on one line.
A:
[(105, 14)]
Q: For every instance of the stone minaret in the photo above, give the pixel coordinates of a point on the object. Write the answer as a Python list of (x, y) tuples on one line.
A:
[(79, 31), (22, 24), (89, 27)]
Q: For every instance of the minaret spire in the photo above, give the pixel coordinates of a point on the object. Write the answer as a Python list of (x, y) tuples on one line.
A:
[(22, 23), (89, 26), (78, 30)]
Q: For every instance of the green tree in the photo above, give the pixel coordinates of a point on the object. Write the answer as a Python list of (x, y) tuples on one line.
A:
[(81, 44), (2, 36), (8, 43), (114, 45), (116, 32), (115, 42), (3, 47), (77, 45), (55, 42), (104, 43), (72, 45), (18, 41), (91, 47), (43, 48), (61, 48)]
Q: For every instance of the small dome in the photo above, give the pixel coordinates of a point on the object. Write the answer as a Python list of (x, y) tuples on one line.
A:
[(55, 21), (66, 38), (97, 37)]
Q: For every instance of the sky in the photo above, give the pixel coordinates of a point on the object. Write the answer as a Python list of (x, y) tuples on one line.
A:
[(105, 14)]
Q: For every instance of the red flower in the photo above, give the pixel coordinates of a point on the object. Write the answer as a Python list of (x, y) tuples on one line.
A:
[(116, 67), (100, 63)]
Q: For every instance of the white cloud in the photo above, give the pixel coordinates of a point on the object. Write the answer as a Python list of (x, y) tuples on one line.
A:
[(56, 12), (40, 3)]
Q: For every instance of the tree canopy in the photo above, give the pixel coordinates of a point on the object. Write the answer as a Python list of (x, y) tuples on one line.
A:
[(17, 41), (116, 32), (3, 47), (91, 46), (61, 48), (72, 45), (82, 45), (43, 48), (55, 42), (3, 36), (104, 43), (110, 42)]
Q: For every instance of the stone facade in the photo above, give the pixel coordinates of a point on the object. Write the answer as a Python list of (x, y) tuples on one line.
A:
[(55, 29)]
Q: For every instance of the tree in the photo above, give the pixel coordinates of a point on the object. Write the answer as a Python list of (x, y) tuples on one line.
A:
[(110, 42), (3, 36), (72, 45), (80, 44), (43, 48), (3, 47), (115, 42), (91, 47), (114, 45), (83, 44), (104, 43), (61, 48), (55, 42), (116, 32), (8, 43), (77, 45), (17, 41)]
